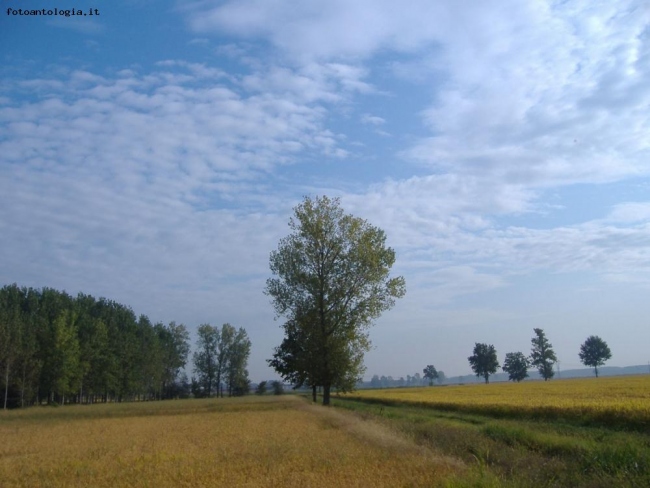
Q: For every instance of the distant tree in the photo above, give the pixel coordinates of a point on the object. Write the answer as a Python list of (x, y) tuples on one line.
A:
[(516, 365), (261, 388), (205, 358), (195, 388), (241, 387), (430, 373), (484, 361), (224, 343), (237, 359), (174, 343), (594, 352), (278, 388), (441, 377), (375, 382), (542, 355), (181, 387)]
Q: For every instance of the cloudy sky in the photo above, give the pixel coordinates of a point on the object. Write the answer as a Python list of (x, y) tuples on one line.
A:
[(152, 154)]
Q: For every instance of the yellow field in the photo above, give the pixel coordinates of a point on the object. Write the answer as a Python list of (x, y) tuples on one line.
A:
[(621, 400), (270, 441)]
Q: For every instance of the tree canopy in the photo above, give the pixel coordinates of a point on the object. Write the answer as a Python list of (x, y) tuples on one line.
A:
[(61, 349), (516, 365), (594, 352), (221, 357), (542, 355), (331, 280), (431, 373), (484, 360)]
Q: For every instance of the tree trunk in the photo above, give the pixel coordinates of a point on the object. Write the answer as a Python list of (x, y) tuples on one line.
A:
[(6, 383), (596, 368), (326, 395), (313, 393), (22, 388)]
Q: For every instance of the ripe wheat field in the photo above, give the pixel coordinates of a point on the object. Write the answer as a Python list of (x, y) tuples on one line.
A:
[(251, 441), (578, 433), (622, 401)]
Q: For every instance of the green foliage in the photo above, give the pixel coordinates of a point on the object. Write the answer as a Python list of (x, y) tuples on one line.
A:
[(484, 360), (331, 280), (431, 373), (278, 388), (83, 350), (516, 450), (542, 355), (261, 388), (235, 362), (222, 354), (205, 358), (516, 365), (594, 352)]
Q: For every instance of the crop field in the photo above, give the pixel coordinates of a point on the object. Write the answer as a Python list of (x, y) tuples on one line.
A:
[(615, 401), (251, 441), (562, 433), (511, 435)]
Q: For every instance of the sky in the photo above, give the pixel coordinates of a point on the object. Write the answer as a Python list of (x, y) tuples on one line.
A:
[(152, 153)]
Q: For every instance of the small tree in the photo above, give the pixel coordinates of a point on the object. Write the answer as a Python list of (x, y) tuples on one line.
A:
[(441, 377), (278, 388), (261, 388), (430, 373), (594, 352), (542, 355), (484, 361), (516, 365)]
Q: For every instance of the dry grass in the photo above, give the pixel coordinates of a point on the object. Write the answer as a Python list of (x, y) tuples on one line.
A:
[(229, 442), (622, 401)]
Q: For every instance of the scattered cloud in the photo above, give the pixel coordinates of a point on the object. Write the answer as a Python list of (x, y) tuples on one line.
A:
[(372, 119)]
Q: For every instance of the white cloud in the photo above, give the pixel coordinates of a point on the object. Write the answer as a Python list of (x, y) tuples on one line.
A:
[(372, 119), (630, 212)]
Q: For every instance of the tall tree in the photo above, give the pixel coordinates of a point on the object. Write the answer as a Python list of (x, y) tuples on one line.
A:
[(225, 342), (66, 361), (334, 269), (542, 355), (516, 365), (431, 373), (175, 344), (236, 372), (205, 358), (594, 352), (9, 340), (484, 360)]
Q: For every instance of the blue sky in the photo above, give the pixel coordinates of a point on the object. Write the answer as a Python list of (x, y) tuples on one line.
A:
[(152, 154)]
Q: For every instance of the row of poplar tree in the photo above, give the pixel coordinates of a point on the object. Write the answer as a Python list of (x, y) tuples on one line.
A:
[(58, 349)]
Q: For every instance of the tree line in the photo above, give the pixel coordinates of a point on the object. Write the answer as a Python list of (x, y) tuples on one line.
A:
[(593, 353), (430, 374), (60, 349)]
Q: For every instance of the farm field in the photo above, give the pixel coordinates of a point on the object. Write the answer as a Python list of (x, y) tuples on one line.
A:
[(377, 438), (615, 401), (577, 433), (250, 441)]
